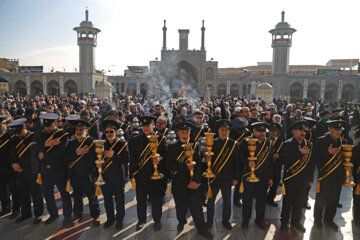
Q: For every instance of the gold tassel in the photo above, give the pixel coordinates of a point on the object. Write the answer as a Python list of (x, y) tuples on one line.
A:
[(68, 189), (283, 191), (241, 188), (133, 183), (357, 189), (97, 192), (209, 193), (38, 180), (318, 187), (169, 189)]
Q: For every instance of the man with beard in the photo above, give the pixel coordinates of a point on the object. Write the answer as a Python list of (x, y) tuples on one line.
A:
[(277, 140), (328, 159), (185, 187), (263, 171), (116, 155), (54, 170), (142, 168), (238, 133), (80, 156), (226, 167), (25, 165), (198, 129), (7, 176), (298, 174), (161, 125)]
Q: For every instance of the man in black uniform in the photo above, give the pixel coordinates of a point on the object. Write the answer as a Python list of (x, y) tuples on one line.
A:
[(7, 177), (328, 159), (310, 137), (225, 165), (356, 190), (263, 171), (54, 169), (26, 167), (81, 157), (115, 155), (142, 168), (277, 140), (238, 133), (93, 128), (184, 187), (298, 174)]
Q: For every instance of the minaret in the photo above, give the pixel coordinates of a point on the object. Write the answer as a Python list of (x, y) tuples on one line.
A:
[(87, 41), (164, 36), (281, 43), (203, 37)]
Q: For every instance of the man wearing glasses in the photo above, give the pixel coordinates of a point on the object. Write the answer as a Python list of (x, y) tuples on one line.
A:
[(115, 155)]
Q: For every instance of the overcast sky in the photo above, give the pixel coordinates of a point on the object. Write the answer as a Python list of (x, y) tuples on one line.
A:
[(40, 32)]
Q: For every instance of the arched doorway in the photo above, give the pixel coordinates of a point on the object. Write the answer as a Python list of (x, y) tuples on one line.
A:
[(296, 91), (211, 89), (221, 91), (234, 90), (144, 87), (36, 88), (314, 91), (20, 87), (209, 74), (70, 87), (131, 89), (186, 77), (347, 92), (330, 92), (4, 85), (53, 88)]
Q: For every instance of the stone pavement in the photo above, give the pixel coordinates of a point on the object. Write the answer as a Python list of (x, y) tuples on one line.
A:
[(27, 230)]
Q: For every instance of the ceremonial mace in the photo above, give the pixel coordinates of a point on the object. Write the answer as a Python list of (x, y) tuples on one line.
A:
[(209, 144), (189, 153), (99, 149), (153, 139), (347, 155), (252, 148)]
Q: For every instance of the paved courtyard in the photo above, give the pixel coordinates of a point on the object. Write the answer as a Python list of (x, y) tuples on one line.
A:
[(27, 230)]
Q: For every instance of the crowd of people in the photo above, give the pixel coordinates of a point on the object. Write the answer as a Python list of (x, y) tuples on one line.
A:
[(190, 147)]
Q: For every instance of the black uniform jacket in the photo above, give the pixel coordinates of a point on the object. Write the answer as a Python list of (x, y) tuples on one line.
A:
[(83, 167), (23, 152), (55, 156), (225, 162), (179, 171), (141, 165), (264, 162), (112, 168), (334, 168), (297, 167)]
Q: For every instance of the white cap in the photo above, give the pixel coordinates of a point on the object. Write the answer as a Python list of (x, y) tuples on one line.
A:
[(237, 104), (82, 102), (238, 109)]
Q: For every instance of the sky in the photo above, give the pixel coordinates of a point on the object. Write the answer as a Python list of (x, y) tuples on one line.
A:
[(40, 32)]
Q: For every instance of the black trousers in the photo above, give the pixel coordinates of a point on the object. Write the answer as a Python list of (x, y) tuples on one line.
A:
[(225, 188), (111, 191), (306, 195), (293, 201), (237, 195), (143, 190), (327, 199), (48, 183), (7, 187), (258, 191), (276, 179), (28, 189), (356, 205), (81, 187), (190, 201)]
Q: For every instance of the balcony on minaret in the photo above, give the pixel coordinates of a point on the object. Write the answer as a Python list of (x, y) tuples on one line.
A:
[(282, 38)]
